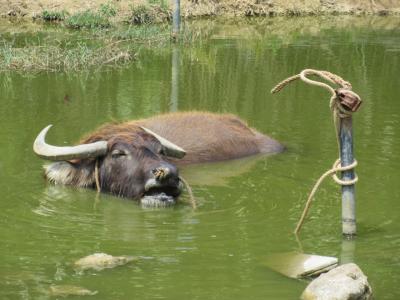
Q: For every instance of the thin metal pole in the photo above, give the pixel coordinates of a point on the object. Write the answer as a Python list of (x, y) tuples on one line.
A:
[(176, 20), (174, 79), (348, 191)]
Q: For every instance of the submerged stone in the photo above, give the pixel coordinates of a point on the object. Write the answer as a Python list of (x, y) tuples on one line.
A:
[(346, 282), (100, 261), (69, 290)]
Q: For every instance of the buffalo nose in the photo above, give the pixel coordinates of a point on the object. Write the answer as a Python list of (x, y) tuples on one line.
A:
[(165, 171)]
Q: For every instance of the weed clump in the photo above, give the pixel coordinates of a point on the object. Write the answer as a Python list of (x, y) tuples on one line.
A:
[(53, 16), (92, 19), (107, 10), (52, 58), (149, 13), (88, 20), (149, 35)]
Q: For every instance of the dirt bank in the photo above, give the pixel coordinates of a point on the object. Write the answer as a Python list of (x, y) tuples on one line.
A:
[(30, 9)]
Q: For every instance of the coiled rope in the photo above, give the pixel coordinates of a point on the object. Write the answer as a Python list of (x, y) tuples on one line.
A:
[(338, 112)]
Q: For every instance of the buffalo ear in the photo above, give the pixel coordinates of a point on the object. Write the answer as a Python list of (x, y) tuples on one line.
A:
[(169, 148)]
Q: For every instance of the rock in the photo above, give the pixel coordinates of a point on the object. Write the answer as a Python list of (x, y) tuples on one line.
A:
[(12, 13), (346, 282), (69, 290), (100, 261)]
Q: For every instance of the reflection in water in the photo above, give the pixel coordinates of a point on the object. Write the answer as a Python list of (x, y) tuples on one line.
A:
[(218, 173), (348, 251), (175, 65), (249, 207)]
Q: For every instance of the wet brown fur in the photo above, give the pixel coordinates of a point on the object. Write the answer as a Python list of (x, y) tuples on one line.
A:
[(205, 136)]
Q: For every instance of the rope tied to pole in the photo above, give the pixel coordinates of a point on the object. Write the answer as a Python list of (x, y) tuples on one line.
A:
[(343, 103)]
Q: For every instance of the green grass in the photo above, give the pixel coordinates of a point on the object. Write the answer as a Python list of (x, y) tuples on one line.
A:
[(87, 19), (92, 19), (107, 10)]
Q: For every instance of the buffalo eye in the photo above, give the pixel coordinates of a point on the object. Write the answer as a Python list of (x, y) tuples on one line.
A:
[(117, 154), (161, 151)]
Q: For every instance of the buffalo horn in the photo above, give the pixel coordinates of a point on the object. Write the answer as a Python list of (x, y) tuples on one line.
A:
[(170, 149), (46, 151)]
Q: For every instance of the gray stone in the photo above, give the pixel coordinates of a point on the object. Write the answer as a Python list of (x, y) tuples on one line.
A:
[(346, 282)]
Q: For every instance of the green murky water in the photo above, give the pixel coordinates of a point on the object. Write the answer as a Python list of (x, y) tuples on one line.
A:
[(247, 208)]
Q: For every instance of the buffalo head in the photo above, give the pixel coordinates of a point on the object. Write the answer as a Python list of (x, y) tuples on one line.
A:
[(127, 162)]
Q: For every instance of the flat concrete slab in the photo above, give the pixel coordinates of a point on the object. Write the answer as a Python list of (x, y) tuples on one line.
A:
[(300, 265)]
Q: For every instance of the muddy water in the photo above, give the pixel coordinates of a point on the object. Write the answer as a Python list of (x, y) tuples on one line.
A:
[(247, 208)]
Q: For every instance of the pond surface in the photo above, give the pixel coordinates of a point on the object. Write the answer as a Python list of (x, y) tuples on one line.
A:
[(247, 209)]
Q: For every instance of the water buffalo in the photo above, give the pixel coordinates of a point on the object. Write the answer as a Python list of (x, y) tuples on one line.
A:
[(141, 158)]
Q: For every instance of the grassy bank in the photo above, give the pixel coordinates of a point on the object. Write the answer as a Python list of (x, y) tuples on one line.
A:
[(59, 48), (196, 8), (84, 39), (112, 33)]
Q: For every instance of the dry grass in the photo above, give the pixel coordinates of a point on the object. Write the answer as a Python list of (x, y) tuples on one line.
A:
[(193, 8), (64, 50), (52, 58)]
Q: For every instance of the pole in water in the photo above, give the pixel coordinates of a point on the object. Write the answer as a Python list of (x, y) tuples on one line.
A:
[(343, 103), (176, 20), (348, 191)]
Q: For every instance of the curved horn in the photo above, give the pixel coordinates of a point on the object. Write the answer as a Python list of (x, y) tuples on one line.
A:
[(46, 151), (170, 149)]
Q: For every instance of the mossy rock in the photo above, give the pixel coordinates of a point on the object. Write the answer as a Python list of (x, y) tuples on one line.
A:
[(69, 290), (101, 261)]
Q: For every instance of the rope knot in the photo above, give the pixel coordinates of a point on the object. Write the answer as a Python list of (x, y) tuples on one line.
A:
[(346, 102)]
